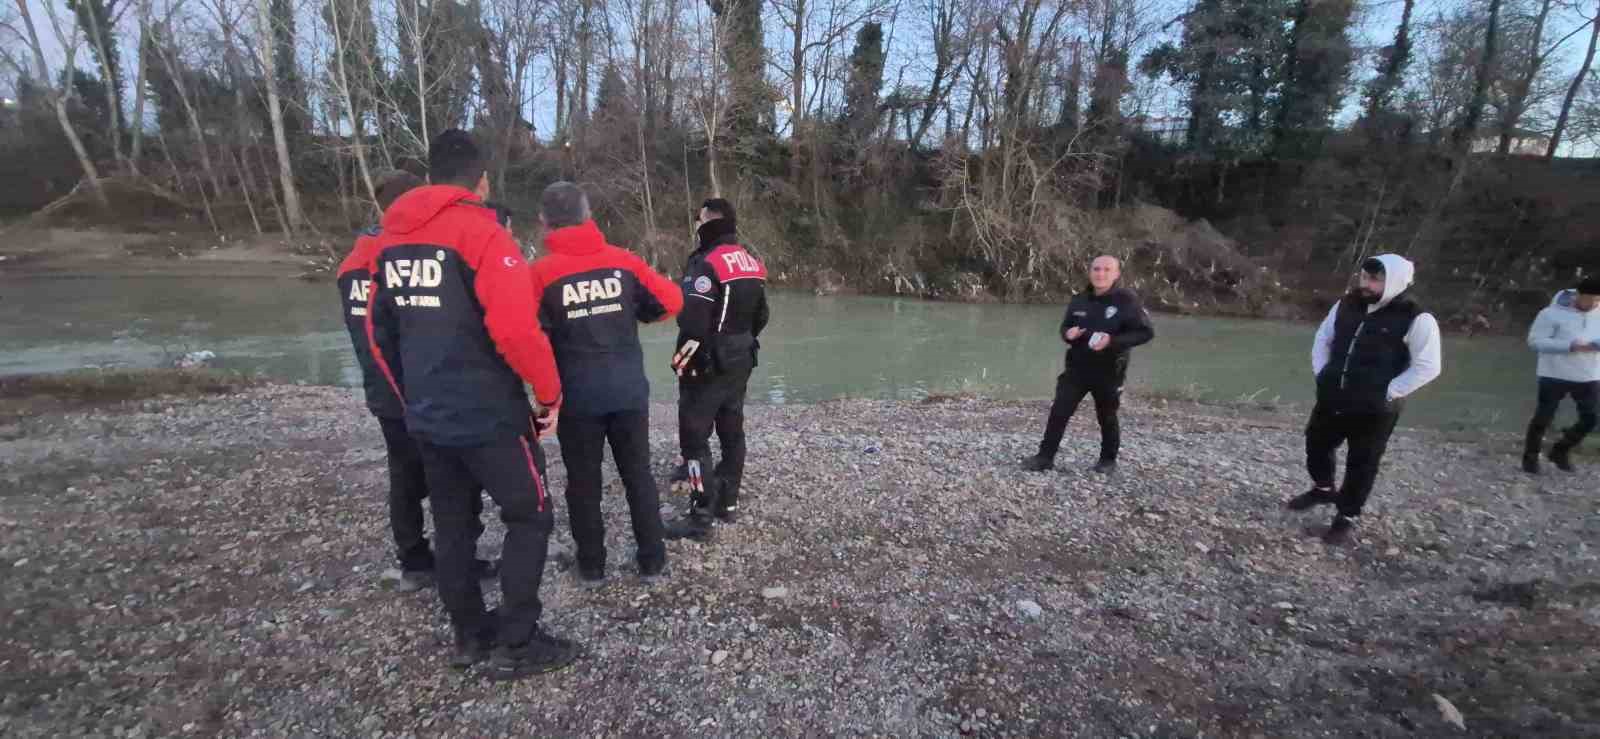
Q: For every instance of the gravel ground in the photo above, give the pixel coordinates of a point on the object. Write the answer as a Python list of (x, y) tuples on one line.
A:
[(216, 566)]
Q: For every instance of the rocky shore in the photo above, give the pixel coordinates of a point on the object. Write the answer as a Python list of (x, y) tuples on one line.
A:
[(215, 565)]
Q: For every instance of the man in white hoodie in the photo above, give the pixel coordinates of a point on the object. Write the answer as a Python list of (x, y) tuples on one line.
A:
[(1567, 337), (1375, 348)]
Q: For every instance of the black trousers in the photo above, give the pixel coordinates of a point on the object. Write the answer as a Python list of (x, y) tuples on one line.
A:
[(407, 489), (1551, 392), (1070, 391), (707, 404), (1367, 435), (512, 472), (583, 442)]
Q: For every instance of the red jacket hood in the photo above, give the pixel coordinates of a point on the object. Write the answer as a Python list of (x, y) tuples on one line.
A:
[(584, 238), (419, 206)]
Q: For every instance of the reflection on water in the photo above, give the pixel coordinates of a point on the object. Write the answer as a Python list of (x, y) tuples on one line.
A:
[(816, 349)]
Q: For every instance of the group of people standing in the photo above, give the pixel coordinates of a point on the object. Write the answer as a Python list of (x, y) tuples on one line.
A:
[(1375, 348), (450, 325)]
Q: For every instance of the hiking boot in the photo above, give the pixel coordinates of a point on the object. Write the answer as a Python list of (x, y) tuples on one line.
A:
[(543, 653), (1562, 457), (729, 515), (1530, 464), (653, 570), (470, 649), (1106, 467), (1340, 531), (1038, 463), (1311, 499), (694, 525), (591, 577)]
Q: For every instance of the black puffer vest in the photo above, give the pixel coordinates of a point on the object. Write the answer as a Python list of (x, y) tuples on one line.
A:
[(1369, 350)]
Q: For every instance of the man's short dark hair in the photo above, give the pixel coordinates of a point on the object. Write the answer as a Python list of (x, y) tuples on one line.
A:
[(455, 159), (1373, 266), (563, 204), (1589, 286), (394, 184), (721, 207)]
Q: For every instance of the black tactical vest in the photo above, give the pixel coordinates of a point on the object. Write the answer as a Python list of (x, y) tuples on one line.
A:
[(1369, 350)]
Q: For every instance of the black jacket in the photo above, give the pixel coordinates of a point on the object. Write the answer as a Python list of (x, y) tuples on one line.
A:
[(725, 302), (453, 321), (1368, 351), (592, 298), (1118, 313), (355, 278)]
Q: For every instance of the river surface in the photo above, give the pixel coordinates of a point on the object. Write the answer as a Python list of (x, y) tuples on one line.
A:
[(817, 348)]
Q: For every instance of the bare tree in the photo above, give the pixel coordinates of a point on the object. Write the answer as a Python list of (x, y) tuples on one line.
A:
[(344, 27), (951, 54), (98, 30), (264, 48), (58, 96), (1577, 84), (139, 94), (1468, 127), (711, 98)]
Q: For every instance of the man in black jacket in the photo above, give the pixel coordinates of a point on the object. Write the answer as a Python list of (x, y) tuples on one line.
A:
[(724, 311), (407, 488), (1102, 325)]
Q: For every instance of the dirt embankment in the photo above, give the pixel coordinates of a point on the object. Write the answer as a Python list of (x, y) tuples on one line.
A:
[(29, 252), (212, 565)]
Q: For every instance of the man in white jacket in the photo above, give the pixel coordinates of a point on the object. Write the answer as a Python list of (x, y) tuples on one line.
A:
[(1567, 337), (1375, 348)]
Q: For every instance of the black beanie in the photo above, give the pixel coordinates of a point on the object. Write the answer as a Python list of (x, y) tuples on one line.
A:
[(1589, 286)]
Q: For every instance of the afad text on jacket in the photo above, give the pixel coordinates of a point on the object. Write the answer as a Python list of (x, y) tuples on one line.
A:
[(452, 322), (592, 297)]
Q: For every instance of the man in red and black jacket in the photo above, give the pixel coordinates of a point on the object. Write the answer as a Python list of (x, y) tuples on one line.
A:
[(407, 487), (592, 298), (724, 311), (452, 325)]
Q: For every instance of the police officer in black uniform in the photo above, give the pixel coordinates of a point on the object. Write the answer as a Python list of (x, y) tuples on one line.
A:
[(724, 311), (1101, 326)]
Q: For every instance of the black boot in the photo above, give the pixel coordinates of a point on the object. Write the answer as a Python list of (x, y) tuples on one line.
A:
[(697, 524), (1561, 455), (1311, 499), (1530, 463), (1038, 463), (543, 653), (1106, 467), (474, 646), (1340, 531)]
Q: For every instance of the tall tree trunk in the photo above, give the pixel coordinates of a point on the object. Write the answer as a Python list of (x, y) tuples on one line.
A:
[(1468, 129), (293, 215), (1517, 105), (347, 97), (113, 102), (421, 63), (139, 93), (579, 119), (1572, 89)]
